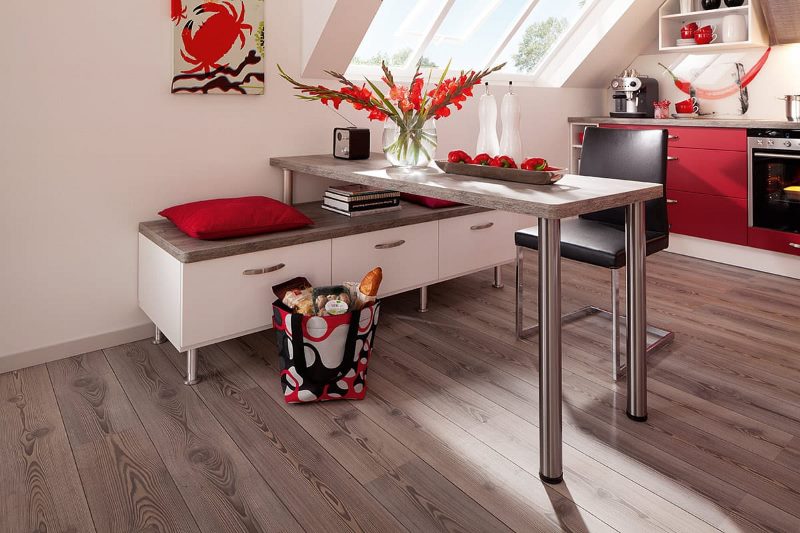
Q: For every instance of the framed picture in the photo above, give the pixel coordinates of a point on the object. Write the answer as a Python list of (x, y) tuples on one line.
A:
[(218, 46)]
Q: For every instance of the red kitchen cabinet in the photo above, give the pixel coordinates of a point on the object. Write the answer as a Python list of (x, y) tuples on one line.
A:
[(734, 139), (777, 241), (718, 172), (708, 216)]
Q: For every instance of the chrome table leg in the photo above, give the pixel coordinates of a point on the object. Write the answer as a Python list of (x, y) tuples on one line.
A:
[(519, 292), (498, 278), (615, 365), (550, 454), (423, 299), (158, 337), (288, 186), (191, 367), (636, 303)]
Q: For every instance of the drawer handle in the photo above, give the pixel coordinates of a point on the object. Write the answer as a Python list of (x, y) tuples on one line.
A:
[(794, 245), (672, 158), (387, 245), (673, 138), (669, 201), (257, 271), (482, 226)]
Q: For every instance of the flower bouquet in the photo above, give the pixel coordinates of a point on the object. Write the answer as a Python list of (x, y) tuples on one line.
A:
[(409, 137)]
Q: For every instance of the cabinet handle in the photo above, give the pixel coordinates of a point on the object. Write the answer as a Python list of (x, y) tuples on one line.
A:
[(673, 138), (257, 271), (794, 245), (388, 245), (670, 201), (481, 226), (672, 158)]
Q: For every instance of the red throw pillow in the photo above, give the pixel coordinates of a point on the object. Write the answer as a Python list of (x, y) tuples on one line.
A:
[(234, 217), (427, 201)]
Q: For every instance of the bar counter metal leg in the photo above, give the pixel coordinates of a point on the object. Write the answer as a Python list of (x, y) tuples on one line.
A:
[(550, 453), (636, 303), (288, 186), (158, 337), (423, 299), (498, 278), (191, 367)]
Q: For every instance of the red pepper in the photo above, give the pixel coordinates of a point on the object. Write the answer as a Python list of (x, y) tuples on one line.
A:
[(459, 156), (534, 163), (482, 159), (716, 94), (503, 161)]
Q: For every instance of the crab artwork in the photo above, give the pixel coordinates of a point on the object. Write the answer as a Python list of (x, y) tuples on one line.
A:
[(218, 46)]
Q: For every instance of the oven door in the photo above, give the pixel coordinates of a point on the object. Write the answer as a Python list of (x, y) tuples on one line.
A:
[(775, 189)]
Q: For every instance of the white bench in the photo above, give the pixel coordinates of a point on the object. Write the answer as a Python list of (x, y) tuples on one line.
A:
[(199, 292)]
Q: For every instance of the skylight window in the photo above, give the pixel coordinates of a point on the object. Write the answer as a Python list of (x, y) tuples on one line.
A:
[(473, 34)]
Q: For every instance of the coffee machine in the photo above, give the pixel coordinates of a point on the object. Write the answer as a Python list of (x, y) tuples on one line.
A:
[(634, 95)]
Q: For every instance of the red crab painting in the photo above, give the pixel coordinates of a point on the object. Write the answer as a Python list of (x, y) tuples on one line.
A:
[(214, 37), (218, 46)]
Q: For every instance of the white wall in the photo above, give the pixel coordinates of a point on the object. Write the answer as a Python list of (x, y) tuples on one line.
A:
[(92, 142)]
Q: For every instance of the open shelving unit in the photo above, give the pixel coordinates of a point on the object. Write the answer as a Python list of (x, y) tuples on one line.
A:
[(671, 20), (575, 145)]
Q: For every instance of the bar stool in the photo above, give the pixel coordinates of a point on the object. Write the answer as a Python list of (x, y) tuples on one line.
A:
[(599, 238)]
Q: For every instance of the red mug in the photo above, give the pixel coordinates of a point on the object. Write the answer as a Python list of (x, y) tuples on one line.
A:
[(687, 106), (688, 31), (705, 35)]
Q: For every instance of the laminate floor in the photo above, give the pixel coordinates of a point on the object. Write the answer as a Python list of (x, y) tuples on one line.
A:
[(447, 438)]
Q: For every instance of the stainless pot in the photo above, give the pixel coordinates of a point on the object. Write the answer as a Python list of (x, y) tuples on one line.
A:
[(792, 107)]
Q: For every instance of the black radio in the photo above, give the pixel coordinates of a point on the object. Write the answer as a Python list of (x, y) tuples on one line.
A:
[(351, 143)]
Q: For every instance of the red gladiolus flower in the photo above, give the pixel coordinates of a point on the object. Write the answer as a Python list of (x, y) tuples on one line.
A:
[(415, 96), (376, 114)]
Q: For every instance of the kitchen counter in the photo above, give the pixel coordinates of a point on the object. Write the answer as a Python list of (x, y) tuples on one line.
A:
[(693, 122)]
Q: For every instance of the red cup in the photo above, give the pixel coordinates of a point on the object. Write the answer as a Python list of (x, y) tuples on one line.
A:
[(704, 37), (687, 106), (688, 31)]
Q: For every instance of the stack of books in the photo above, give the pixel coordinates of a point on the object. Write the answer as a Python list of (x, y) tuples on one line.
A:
[(355, 200)]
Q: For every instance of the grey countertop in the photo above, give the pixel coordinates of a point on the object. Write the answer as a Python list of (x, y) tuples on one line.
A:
[(709, 122), (572, 195)]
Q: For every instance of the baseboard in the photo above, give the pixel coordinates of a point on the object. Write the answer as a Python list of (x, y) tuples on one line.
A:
[(17, 361), (732, 254)]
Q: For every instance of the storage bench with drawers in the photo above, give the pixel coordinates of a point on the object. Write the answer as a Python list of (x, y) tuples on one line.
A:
[(199, 292)]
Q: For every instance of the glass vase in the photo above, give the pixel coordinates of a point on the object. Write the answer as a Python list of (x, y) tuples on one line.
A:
[(409, 144)]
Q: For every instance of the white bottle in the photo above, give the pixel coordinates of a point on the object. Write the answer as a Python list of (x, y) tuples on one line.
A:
[(510, 141), (487, 116)]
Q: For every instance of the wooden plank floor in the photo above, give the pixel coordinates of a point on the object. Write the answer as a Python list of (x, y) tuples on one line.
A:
[(447, 439)]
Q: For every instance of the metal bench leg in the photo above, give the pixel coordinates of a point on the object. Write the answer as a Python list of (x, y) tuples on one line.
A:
[(158, 337), (498, 278), (191, 367), (423, 299)]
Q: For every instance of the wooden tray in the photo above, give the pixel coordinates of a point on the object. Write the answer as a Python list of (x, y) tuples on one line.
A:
[(531, 177)]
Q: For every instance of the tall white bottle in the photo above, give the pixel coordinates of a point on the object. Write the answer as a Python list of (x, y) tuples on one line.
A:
[(510, 140), (487, 117)]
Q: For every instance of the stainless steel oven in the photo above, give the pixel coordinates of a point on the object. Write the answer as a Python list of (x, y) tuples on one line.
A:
[(774, 179)]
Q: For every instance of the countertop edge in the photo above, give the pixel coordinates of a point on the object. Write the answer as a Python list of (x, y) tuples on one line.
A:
[(691, 122)]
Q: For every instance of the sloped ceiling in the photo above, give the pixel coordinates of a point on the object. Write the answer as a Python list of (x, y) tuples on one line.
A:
[(634, 34)]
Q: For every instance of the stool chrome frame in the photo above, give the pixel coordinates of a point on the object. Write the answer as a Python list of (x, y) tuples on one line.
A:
[(618, 364)]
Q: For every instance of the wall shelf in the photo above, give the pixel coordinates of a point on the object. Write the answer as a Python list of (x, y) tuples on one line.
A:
[(671, 20)]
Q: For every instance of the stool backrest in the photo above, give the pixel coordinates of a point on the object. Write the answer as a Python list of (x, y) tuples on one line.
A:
[(636, 155)]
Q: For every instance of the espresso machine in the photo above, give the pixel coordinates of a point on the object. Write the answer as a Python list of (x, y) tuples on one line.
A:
[(634, 95)]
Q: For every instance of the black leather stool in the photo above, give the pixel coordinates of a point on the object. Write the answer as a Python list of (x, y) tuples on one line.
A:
[(599, 238)]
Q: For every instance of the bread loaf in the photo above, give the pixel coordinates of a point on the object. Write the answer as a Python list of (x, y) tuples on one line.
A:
[(371, 283)]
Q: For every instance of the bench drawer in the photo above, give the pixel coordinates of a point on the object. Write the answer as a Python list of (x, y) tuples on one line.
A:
[(220, 301), (473, 242), (408, 256)]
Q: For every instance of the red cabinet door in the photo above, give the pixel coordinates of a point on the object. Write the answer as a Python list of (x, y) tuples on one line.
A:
[(777, 241), (718, 172), (696, 137), (708, 216)]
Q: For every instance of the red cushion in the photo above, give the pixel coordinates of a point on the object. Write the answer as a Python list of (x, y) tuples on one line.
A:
[(234, 217), (427, 201)]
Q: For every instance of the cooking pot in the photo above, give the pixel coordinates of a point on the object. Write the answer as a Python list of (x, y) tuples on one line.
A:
[(792, 107)]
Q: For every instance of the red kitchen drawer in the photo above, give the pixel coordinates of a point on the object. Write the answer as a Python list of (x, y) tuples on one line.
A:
[(708, 216), (777, 241), (734, 139), (718, 172)]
